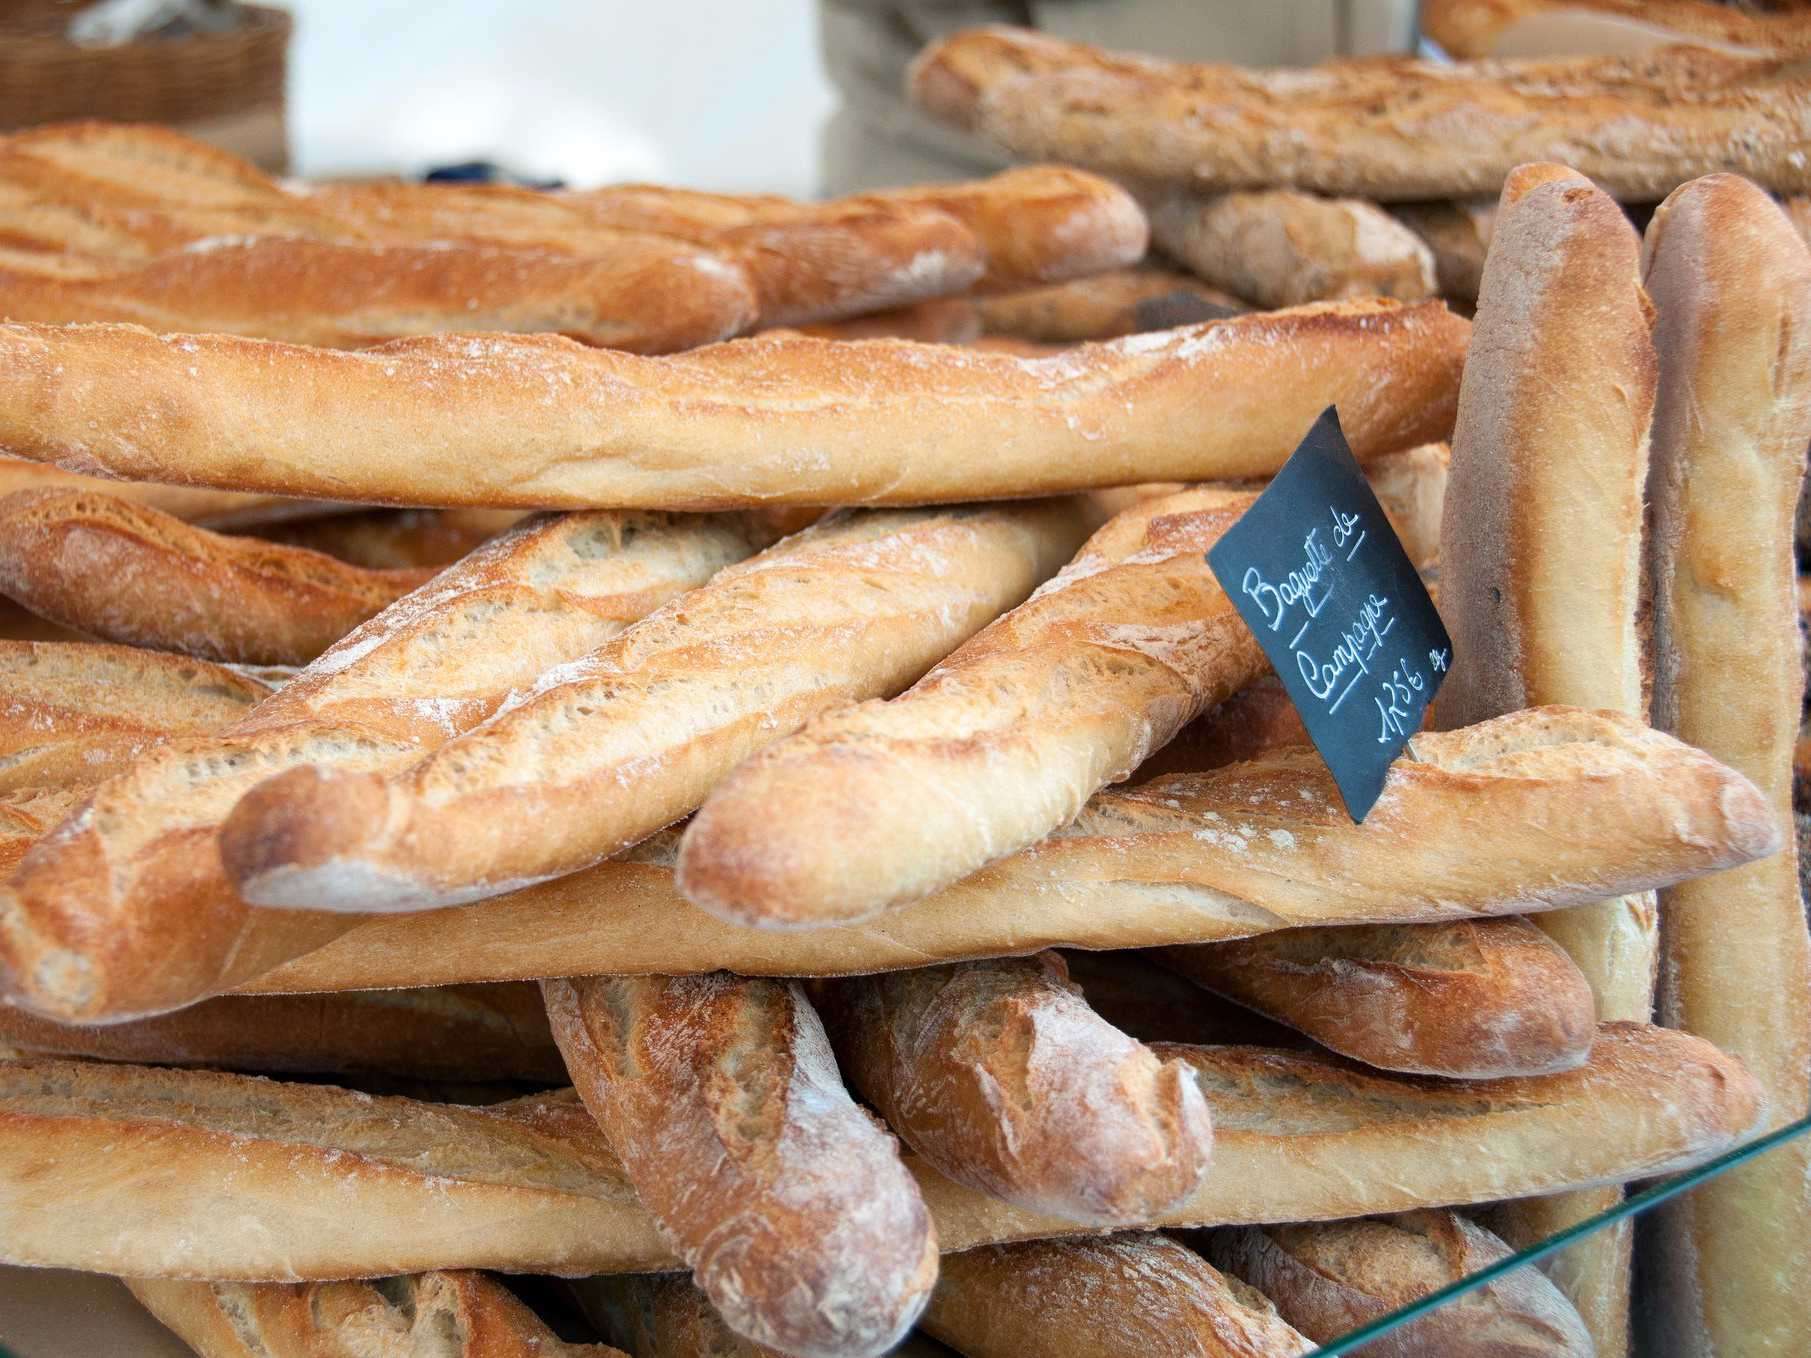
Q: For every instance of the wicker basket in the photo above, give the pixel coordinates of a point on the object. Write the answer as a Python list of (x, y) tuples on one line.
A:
[(226, 88)]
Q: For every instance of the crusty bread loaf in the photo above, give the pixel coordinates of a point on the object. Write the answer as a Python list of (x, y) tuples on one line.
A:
[(1541, 574), (1135, 1293), (874, 806), (478, 1032), (78, 712), (1601, 804), (229, 1175), (392, 539), (1457, 232), (1469, 999), (127, 573), (539, 421), (787, 1201), (215, 508), (613, 746), (419, 1315), (1384, 129), (1496, 28), (1733, 284), (999, 1075), (129, 912), (1105, 306), (1281, 247), (1329, 1278)]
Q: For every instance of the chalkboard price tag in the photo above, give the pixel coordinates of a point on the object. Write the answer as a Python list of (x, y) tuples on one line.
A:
[(1320, 577)]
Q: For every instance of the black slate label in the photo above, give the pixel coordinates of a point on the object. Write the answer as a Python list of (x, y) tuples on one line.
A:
[(1318, 574)]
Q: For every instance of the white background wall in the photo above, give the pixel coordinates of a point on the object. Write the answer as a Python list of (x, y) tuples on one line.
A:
[(723, 94)]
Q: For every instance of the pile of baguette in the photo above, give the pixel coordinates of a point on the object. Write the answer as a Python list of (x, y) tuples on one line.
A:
[(787, 836)]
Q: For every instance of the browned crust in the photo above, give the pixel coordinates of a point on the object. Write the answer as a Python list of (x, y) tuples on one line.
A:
[(1000, 1075), (1469, 999), (786, 1200), (873, 806), (1386, 129), (465, 420), (131, 912), (125, 572), (1602, 806), (78, 712), (226, 1175), (1328, 1279)]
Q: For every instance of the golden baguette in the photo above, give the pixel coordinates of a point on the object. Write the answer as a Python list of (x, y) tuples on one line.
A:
[(538, 421), (1383, 129), (1133, 1293), (1601, 804), (871, 807), (1467, 999), (420, 1315), (128, 912), (1104, 306), (1001, 1076), (1733, 284), (1329, 1278), (77, 712), (479, 1032), (1281, 247), (232, 1176), (785, 1198), (613, 746), (127, 573)]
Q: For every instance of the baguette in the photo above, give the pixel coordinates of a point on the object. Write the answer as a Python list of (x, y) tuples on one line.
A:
[(786, 1200), (421, 1315), (1468, 999), (1001, 1077), (461, 1033), (232, 1176), (464, 420), (78, 712), (1279, 247), (1733, 284), (1135, 1293), (612, 747), (127, 910), (1329, 1279), (1105, 306), (1384, 129), (126, 573), (1601, 804), (1457, 233), (871, 807), (1497, 28), (1540, 569), (392, 539)]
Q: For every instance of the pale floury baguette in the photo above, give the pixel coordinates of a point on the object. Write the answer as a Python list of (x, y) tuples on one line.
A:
[(539, 421), (629, 738), (1601, 804), (1384, 129), (1280, 247), (786, 1199), (871, 807), (230, 1176), (77, 712), (1000, 1075), (127, 573), (126, 911), (1733, 284), (458, 1033), (1134, 1293), (1467, 999), (1328, 1279), (1540, 567), (419, 1315)]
